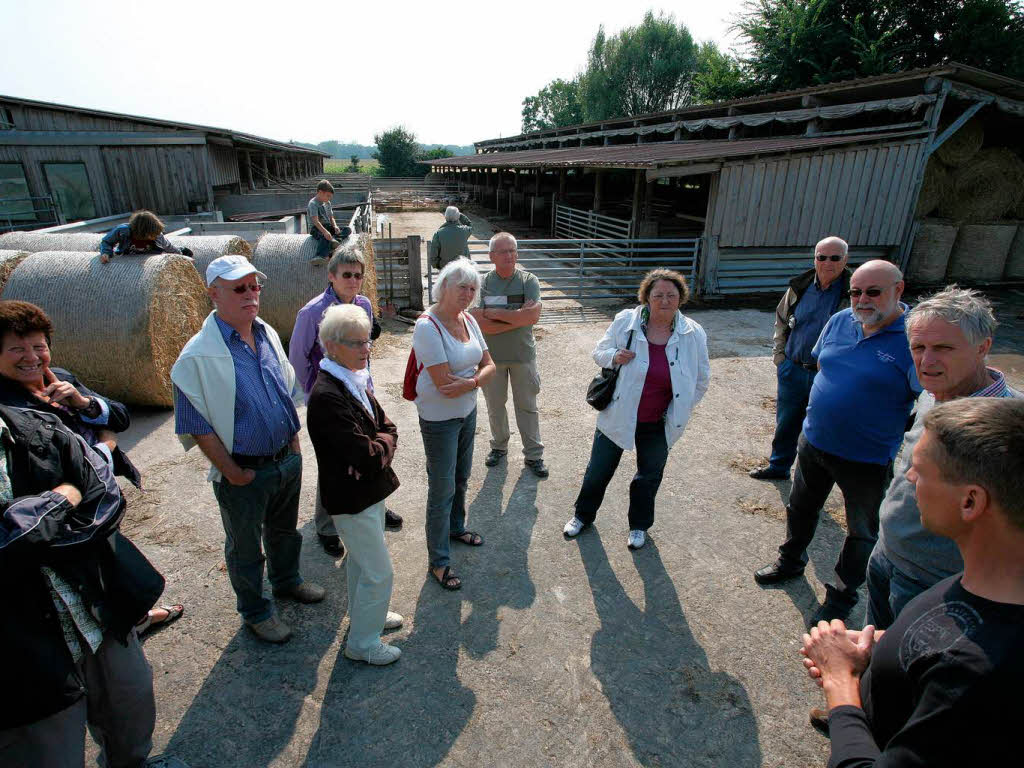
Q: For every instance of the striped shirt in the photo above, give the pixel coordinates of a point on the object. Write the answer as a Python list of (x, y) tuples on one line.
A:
[(265, 416)]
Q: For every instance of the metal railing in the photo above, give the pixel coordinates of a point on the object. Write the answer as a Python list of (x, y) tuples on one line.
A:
[(592, 268), (14, 213), (577, 223)]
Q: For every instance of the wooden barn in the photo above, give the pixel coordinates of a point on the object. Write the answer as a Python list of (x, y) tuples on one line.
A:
[(923, 168), (61, 163)]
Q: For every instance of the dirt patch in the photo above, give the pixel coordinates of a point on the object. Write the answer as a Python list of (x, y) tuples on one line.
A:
[(768, 403), (761, 508), (744, 462)]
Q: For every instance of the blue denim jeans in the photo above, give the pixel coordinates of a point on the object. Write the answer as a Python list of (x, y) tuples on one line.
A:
[(792, 394), (889, 590), (449, 448), (267, 509)]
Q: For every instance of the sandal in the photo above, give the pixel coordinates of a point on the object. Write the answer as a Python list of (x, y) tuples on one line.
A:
[(475, 539), (173, 614), (448, 580)]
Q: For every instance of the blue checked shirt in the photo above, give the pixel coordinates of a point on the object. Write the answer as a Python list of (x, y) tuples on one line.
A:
[(265, 417)]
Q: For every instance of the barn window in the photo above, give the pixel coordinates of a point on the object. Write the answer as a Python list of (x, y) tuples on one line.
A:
[(6, 121), (69, 187), (15, 204)]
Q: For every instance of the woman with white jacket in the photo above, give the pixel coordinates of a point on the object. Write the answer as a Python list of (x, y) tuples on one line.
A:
[(664, 372)]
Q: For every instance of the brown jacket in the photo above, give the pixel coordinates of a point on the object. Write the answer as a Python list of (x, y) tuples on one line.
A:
[(345, 436), (787, 306)]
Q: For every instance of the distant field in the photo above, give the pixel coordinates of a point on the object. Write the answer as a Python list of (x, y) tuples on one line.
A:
[(339, 166)]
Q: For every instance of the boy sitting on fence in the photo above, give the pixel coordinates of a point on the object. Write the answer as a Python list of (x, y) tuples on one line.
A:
[(143, 234), (322, 225)]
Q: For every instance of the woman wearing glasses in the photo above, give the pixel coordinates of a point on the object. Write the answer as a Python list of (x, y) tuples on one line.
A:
[(455, 363), (345, 280), (663, 373), (355, 445)]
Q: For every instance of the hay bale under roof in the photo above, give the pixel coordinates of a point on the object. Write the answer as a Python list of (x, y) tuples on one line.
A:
[(985, 189), (1015, 259), (980, 251), (929, 256), (8, 261), (119, 326), (291, 279), (935, 186), (962, 145)]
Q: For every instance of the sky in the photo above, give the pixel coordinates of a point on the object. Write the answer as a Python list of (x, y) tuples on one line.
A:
[(453, 73)]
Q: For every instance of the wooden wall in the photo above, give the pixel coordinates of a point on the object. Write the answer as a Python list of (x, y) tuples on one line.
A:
[(223, 165), (26, 118)]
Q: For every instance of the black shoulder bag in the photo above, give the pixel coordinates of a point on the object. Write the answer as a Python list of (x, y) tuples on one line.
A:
[(602, 386)]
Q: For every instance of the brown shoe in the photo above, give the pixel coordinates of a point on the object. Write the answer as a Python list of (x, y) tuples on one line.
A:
[(302, 593), (271, 630), (819, 719)]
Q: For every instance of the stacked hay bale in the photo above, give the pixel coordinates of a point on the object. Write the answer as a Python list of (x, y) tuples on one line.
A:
[(1015, 258), (929, 256), (962, 145), (934, 188), (986, 188), (980, 252), (118, 326), (292, 280), (8, 261), (206, 248)]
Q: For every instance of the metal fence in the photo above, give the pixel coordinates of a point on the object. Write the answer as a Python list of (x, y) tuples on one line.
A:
[(593, 268), (15, 213), (577, 223)]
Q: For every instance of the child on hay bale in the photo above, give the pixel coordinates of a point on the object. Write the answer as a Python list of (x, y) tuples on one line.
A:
[(143, 234), (322, 226)]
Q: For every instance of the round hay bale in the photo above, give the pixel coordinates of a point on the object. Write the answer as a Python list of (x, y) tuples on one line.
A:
[(1015, 259), (291, 279), (118, 326), (206, 248), (962, 145), (929, 256), (370, 276), (980, 251), (986, 188), (8, 261), (936, 185), (33, 242)]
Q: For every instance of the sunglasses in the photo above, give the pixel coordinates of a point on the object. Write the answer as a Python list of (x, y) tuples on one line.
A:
[(349, 275), (254, 287), (827, 257), (874, 293)]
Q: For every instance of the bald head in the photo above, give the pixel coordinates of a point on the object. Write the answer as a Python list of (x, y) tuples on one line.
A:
[(832, 244), (829, 260), (880, 269), (875, 291)]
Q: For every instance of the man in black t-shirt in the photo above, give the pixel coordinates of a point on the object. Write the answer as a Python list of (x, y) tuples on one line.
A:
[(941, 686)]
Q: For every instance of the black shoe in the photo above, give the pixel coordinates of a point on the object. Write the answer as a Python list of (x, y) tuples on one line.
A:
[(775, 574), (830, 610), (537, 466), (769, 473), (332, 545), (493, 458), (392, 520), (819, 719)]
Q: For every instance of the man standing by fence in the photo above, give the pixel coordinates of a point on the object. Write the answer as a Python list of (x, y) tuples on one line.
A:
[(510, 307), (452, 238)]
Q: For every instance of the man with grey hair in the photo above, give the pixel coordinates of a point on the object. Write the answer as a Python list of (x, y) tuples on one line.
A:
[(509, 308), (811, 299), (452, 239), (860, 400)]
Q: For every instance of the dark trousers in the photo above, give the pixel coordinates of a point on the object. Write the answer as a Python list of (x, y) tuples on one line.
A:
[(324, 247), (889, 590), (651, 455), (792, 394), (863, 486)]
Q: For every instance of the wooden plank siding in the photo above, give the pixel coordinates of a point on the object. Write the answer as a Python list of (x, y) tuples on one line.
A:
[(162, 179), (32, 160), (26, 118), (223, 165), (861, 194)]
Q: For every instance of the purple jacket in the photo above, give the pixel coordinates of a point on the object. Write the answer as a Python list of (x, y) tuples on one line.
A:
[(304, 351)]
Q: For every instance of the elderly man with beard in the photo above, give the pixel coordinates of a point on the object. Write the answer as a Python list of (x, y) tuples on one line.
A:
[(862, 395)]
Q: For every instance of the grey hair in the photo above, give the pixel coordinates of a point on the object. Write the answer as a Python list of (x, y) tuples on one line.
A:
[(834, 240), (340, 321), (964, 307), (502, 236), (345, 256), (451, 213), (455, 273)]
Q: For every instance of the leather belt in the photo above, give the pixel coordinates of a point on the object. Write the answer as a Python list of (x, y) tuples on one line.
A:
[(252, 462)]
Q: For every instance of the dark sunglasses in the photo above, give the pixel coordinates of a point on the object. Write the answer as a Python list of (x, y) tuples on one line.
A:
[(254, 287), (347, 275), (832, 257), (874, 293)]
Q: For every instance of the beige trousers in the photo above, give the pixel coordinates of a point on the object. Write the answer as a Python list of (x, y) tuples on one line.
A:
[(525, 385)]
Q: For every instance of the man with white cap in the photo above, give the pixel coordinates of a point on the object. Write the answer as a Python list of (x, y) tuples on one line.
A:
[(234, 396)]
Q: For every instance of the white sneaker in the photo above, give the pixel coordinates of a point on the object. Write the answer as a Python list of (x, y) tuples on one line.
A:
[(573, 527), (393, 621), (379, 656), (636, 539)]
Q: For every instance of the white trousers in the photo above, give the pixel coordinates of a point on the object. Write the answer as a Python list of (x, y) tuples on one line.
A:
[(369, 574)]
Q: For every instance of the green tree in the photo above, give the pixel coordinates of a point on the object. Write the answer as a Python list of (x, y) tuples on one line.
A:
[(434, 154), (396, 152), (718, 76), (557, 104)]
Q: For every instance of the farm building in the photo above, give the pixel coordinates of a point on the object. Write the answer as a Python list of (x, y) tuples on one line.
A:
[(60, 163), (923, 168)]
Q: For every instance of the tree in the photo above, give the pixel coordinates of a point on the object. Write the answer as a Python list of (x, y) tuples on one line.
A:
[(557, 104), (718, 76), (353, 164), (434, 154), (396, 152)]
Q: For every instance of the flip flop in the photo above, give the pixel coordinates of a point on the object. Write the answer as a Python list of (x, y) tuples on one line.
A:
[(475, 539), (448, 580), (173, 614)]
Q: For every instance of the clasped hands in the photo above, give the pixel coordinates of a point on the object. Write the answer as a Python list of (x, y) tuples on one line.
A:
[(835, 658)]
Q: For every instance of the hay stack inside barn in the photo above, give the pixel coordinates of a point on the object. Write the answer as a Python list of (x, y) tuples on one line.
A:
[(980, 252), (119, 326), (986, 188), (8, 261), (963, 145), (929, 256), (1015, 259), (935, 186)]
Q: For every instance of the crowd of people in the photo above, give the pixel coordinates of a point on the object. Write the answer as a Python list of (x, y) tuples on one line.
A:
[(866, 385)]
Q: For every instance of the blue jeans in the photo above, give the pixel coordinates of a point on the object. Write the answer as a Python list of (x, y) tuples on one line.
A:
[(449, 449), (889, 590), (792, 394), (267, 509), (651, 455), (324, 247)]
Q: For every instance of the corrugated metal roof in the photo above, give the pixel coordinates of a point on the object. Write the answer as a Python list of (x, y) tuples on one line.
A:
[(656, 154)]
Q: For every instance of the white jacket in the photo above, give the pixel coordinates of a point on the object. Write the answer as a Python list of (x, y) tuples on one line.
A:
[(689, 367)]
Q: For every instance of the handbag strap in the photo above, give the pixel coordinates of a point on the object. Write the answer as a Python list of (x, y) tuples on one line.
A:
[(629, 343)]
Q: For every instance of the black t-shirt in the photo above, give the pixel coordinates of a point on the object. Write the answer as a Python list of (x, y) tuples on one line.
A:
[(943, 687)]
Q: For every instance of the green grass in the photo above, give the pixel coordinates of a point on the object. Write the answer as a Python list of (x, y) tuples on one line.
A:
[(341, 166)]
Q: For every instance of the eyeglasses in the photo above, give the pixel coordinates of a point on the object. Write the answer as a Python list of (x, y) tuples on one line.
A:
[(828, 257), (664, 297), (356, 344), (350, 275), (874, 293), (254, 287)]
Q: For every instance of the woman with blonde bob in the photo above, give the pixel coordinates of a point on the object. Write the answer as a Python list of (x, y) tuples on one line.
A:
[(355, 445), (664, 372), (455, 363)]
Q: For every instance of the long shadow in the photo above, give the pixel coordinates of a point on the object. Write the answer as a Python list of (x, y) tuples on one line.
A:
[(407, 714), (673, 708)]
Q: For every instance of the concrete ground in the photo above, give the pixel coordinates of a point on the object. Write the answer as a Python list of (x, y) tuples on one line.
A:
[(555, 652)]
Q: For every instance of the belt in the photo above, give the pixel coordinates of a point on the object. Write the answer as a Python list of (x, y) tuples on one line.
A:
[(252, 462), (812, 367)]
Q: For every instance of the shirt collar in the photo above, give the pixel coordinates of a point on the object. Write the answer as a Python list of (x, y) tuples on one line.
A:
[(230, 333), (995, 388)]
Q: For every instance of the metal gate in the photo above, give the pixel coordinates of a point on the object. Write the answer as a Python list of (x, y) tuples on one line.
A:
[(577, 223)]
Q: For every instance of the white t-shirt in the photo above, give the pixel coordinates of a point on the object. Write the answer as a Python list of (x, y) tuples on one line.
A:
[(433, 348)]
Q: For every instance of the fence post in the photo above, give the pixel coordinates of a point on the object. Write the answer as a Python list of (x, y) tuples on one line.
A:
[(415, 278), (579, 281)]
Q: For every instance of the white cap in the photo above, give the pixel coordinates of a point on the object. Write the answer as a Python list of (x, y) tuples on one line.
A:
[(230, 268)]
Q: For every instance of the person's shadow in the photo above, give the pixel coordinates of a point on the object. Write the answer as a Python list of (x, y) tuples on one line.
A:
[(673, 708)]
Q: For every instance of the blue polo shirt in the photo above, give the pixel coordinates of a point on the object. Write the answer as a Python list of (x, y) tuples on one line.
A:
[(864, 392)]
